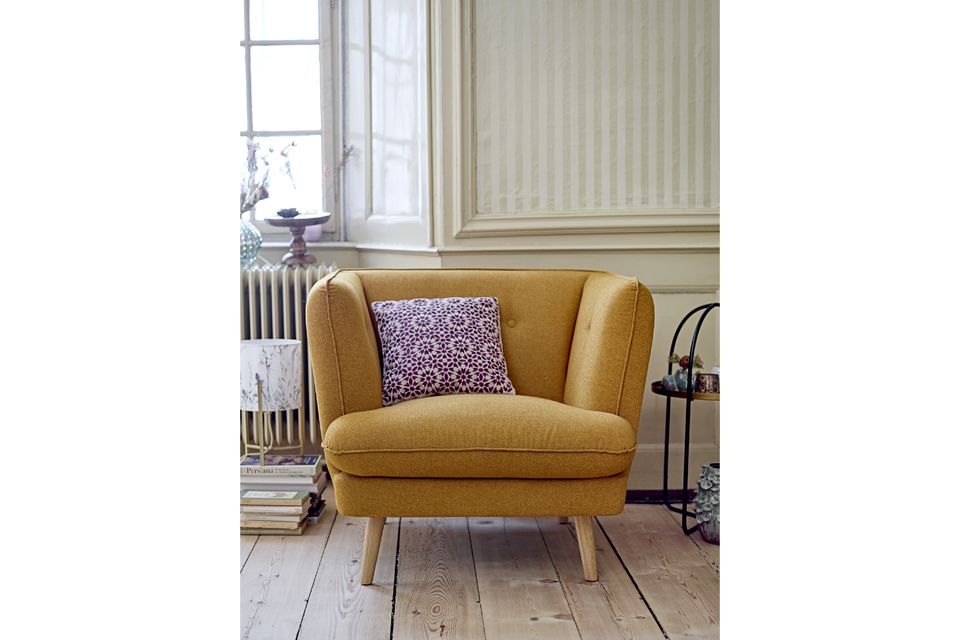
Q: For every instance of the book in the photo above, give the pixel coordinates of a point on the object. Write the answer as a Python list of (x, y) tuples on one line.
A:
[(283, 485), (275, 478), (274, 498), (279, 464), (275, 510), (255, 531), (316, 508), (270, 524), (309, 488), (247, 518)]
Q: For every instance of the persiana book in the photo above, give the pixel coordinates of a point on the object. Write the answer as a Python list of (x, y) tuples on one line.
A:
[(306, 465)]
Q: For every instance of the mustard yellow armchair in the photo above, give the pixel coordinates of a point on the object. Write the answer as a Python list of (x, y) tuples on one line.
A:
[(577, 345)]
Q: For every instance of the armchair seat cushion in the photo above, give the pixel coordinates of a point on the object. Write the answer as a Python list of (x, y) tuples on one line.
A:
[(480, 436)]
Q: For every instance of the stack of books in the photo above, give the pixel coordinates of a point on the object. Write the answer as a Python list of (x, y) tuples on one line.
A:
[(282, 496), (274, 512)]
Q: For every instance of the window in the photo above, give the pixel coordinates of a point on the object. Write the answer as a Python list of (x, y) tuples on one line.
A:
[(288, 72)]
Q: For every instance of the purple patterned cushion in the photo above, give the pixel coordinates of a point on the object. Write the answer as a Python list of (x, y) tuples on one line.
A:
[(439, 346)]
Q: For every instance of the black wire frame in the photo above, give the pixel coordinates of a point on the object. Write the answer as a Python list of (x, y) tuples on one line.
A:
[(705, 309)]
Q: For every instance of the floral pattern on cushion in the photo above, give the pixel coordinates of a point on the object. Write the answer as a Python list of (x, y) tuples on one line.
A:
[(441, 346)]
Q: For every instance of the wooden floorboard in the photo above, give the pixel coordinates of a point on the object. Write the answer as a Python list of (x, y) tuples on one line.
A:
[(495, 578), (276, 580), (436, 595), (681, 588), (612, 606), (340, 607), (520, 592), (246, 547), (711, 552)]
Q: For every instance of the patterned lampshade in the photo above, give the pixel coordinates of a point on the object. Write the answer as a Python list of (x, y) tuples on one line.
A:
[(279, 365)]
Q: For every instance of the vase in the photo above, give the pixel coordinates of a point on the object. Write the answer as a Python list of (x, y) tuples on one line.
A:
[(708, 503), (250, 242), (313, 233)]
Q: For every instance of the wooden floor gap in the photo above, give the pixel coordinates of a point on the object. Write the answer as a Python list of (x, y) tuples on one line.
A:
[(632, 579), (396, 576), (249, 553), (559, 577), (473, 561), (312, 584)]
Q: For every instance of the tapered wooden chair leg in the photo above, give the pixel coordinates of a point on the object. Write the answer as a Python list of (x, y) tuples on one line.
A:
[(371, 548), (588, 550)]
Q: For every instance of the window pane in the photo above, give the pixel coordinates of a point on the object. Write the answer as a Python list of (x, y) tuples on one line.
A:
[(397, 111), (243, 90), (303, 188), (284, 19), (286, 87)]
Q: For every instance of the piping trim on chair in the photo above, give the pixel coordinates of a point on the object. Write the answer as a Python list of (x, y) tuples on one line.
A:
[(467, 449), (633, 328), (333, 340)]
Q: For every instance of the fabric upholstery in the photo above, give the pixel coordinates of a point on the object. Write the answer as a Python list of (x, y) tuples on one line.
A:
[(611, 347), (538, 310), (438, 346), (415, 497), (480, 436), (343, 348), (581, 338)]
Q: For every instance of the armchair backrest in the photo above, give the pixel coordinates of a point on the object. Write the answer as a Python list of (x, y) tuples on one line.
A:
[(578, 337), (538, 311)]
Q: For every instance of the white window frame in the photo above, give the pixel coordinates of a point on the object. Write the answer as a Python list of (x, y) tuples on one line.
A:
[(367, 225), (328, 48)]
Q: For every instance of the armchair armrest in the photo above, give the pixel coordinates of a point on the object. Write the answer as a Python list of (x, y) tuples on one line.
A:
[(607, 369), (342, 347)]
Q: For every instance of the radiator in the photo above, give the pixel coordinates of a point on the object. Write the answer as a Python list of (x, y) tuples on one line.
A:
[(272, 305)]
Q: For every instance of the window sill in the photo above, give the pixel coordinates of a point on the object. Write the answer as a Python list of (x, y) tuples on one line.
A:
[(333, 244)]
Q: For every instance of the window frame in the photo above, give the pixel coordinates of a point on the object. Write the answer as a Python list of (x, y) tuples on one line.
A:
[(328, 48)]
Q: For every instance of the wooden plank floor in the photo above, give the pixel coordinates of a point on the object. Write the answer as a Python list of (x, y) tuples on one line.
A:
[(482, 578)]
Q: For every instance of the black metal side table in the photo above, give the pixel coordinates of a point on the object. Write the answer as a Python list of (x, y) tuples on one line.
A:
[(689, 395)]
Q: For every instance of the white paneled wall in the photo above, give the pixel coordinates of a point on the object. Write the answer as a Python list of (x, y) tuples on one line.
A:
[(595, 106)]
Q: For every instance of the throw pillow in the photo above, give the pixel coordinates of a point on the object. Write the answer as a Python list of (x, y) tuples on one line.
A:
[(440, 346)]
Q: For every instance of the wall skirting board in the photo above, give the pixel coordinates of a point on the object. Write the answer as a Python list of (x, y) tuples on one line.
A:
[(655, 496)]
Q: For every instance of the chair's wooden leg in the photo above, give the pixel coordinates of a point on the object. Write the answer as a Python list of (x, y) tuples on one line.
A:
[(371, 548), (588, 550), (564, 519)]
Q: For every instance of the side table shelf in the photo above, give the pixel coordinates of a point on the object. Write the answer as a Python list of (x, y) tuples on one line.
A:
[(689, 396), (660, 391)]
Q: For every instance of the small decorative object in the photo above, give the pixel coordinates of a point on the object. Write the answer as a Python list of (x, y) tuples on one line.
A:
[(250, 243), (298, 253), (684, 362), (254, 187), (708, 503), (668, 383), (271, 379), (707, 383), (288, 213)]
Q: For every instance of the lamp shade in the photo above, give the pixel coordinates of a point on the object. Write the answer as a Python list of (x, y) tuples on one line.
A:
[(280, 367)]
